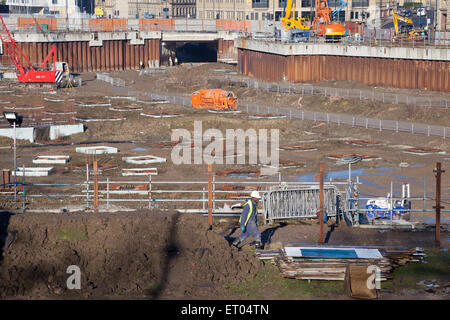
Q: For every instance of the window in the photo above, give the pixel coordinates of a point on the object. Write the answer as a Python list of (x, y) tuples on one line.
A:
[(356, 14), (54, 1), (351, 15), (260, 4)]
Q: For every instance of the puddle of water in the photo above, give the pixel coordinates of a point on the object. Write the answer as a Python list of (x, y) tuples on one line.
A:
[(140, 149)]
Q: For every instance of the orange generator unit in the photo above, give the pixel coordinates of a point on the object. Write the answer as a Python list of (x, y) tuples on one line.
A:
[(214, 99)]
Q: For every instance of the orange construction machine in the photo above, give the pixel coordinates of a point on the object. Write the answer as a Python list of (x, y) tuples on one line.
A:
[(214, 99), (322, 24)]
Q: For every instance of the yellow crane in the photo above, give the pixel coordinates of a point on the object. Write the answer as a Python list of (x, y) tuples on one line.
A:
[(408, 30), (289, 21)]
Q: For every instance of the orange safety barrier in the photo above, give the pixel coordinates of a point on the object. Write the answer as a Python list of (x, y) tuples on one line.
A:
[(28, 23), (156, 24), (233, 25), (108, 24)]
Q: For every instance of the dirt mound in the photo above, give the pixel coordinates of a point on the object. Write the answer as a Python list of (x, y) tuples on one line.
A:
[(139, 254)]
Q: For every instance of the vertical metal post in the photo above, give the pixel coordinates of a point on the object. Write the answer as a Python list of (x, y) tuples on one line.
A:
[(392, 207), (321, 199), (87, 184), (438, 172), (149, 191), (95, 186), (107, 193), (214, 192), (203, 199), (210, 195), (424, 196), (23, 188)]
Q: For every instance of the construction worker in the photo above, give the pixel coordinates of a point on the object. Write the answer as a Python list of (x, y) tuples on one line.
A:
[(249, 221), (141, 65)]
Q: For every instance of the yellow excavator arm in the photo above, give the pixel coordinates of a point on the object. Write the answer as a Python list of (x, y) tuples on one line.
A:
[(289, 21), (396, 18)]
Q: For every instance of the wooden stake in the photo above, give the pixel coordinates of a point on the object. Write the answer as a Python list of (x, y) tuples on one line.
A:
[(438, 206)]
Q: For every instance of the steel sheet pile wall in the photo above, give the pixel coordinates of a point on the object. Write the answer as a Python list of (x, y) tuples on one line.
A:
[(269, 67), (226, 49), (399, 73), (112, 55)]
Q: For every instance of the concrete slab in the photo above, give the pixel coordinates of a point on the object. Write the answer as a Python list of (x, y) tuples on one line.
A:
[(97, 150), (34, 171), (144, 159), (51, 159)]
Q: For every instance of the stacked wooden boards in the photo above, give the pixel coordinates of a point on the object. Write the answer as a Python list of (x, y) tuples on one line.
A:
[(330, 263)]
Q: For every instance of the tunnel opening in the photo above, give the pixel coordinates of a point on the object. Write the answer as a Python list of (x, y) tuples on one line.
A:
[(191, 52)]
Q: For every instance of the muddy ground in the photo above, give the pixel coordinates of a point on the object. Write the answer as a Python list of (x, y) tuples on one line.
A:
[(166, 255), (156, 254)]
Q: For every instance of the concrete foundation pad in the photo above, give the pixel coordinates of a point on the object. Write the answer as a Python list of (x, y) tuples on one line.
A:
[(51, 159), (34, 171), (144, 159), (160, 115), (97, 150)]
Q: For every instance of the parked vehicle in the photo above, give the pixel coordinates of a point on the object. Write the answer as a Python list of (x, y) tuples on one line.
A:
[(421, 11)]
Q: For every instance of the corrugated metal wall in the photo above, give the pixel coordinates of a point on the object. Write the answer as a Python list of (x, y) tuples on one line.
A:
[(226, 49), (113, 55), (398, 73)]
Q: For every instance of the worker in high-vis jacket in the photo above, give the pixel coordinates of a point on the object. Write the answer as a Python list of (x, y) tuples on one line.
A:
[(249, 221)]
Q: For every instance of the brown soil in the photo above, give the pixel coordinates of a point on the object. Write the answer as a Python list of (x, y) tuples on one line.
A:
[(148, 254)]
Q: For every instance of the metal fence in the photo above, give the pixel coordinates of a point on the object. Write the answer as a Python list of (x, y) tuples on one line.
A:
[(347, 93), (254, 28), (299, 203), (328, 117), (113, 81)]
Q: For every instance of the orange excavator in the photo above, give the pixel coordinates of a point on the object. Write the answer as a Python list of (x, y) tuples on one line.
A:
[(217, 99), (322, 25)]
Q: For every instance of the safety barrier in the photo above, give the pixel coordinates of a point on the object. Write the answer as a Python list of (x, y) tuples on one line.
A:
[(299, 203)]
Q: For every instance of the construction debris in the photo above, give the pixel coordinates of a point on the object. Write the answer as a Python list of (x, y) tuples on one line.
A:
[(330, 263)]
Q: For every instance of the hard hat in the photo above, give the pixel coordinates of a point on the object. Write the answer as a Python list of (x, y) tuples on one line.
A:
[(255, 194)]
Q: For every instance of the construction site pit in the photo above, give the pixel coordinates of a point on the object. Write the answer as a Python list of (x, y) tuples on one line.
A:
[(143, 241)]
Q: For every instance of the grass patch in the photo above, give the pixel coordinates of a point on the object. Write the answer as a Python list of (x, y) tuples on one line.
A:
[(270, 284), (407, 277), (70, 234)]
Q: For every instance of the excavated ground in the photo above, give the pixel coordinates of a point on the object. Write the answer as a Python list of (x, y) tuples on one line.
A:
[(161, 254), (147, 254)]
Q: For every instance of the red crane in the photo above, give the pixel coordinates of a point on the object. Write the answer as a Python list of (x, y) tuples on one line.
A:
[(26, 72)]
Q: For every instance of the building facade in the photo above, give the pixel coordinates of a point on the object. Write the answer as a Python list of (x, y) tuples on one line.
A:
[(54, 7), (134, 9)]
